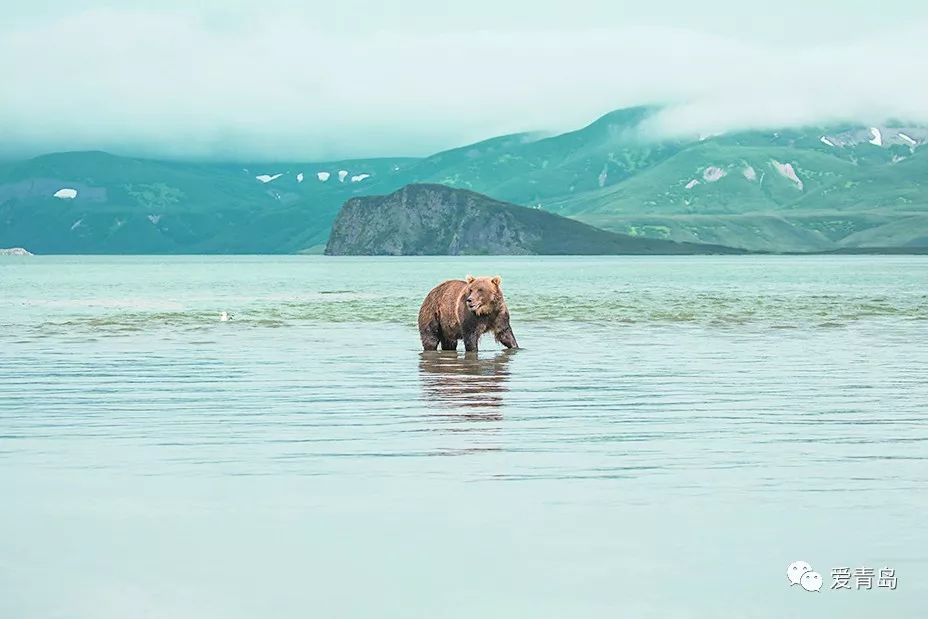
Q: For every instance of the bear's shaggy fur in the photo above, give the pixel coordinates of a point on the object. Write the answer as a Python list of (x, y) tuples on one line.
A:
[(464, 310)]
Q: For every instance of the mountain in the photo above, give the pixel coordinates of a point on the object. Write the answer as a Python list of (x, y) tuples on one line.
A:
[(774, 194), (94, 202), (429, 219), (808, 189), (529, 169)]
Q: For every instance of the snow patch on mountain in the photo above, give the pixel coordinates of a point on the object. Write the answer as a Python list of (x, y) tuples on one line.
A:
[(786, 170), (267, 178), (341, 175), (713, 174), (824, 140), (15, 251), (692, 184), (357, 178), (66, 193), (323, 176), (879, 136), (603, 175), (154, 219)]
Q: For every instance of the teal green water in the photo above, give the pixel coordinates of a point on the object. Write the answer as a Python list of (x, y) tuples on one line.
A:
[(673, 434)]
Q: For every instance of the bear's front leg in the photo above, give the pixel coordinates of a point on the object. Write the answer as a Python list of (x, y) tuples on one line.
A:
[(470, 341), (448, 344), (503, 332), (506, 338), (429, 341)]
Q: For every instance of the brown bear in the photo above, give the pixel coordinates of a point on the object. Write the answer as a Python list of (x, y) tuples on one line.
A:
[(464, 310)]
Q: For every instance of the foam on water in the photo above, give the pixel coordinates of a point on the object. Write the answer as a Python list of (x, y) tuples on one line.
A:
[(185, 294)]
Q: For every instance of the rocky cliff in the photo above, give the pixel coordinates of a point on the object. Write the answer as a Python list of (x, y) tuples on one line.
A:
[(425, 219)]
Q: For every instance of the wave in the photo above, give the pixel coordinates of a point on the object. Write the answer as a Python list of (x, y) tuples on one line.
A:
[(716, 310)]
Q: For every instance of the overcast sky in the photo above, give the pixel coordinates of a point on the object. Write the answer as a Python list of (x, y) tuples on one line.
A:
[(316, 80)]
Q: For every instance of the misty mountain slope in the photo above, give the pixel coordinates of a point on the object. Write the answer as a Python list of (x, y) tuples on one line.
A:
[(761, 232), (808, 189), (899, 186), (774, 198), (710, 178), (111, 204), (906, 231), (527, 169), (857, 144), (428, 219)]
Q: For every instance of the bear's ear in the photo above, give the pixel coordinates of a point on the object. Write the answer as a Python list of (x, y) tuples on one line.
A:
[(497, 280), (470, 279)]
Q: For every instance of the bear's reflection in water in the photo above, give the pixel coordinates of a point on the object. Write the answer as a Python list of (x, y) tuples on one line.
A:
[(465, 385)]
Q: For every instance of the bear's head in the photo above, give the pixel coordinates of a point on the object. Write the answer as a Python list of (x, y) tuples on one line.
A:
[(483, 295)]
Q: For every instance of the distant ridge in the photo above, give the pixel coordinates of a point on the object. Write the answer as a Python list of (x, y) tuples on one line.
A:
[(431, 219), (839, 188)]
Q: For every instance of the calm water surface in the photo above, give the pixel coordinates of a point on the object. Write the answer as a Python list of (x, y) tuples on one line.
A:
[(673, 434)]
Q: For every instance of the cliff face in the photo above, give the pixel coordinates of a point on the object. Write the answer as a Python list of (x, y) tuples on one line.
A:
[(429, 220), (440, 220)]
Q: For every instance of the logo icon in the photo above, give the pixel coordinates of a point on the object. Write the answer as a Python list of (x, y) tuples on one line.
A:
[(795, 570), (801, 573), (811, 581)]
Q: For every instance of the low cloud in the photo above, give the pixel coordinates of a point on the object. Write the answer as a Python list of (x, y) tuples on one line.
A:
[(279, 87)]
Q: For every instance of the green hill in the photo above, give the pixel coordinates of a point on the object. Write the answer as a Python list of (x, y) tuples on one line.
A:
[(427, 219), (810, 189), (129, 205), (529, 169), (746, 196)]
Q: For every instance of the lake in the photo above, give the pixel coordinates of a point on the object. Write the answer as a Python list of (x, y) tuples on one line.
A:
[(674, 432)]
